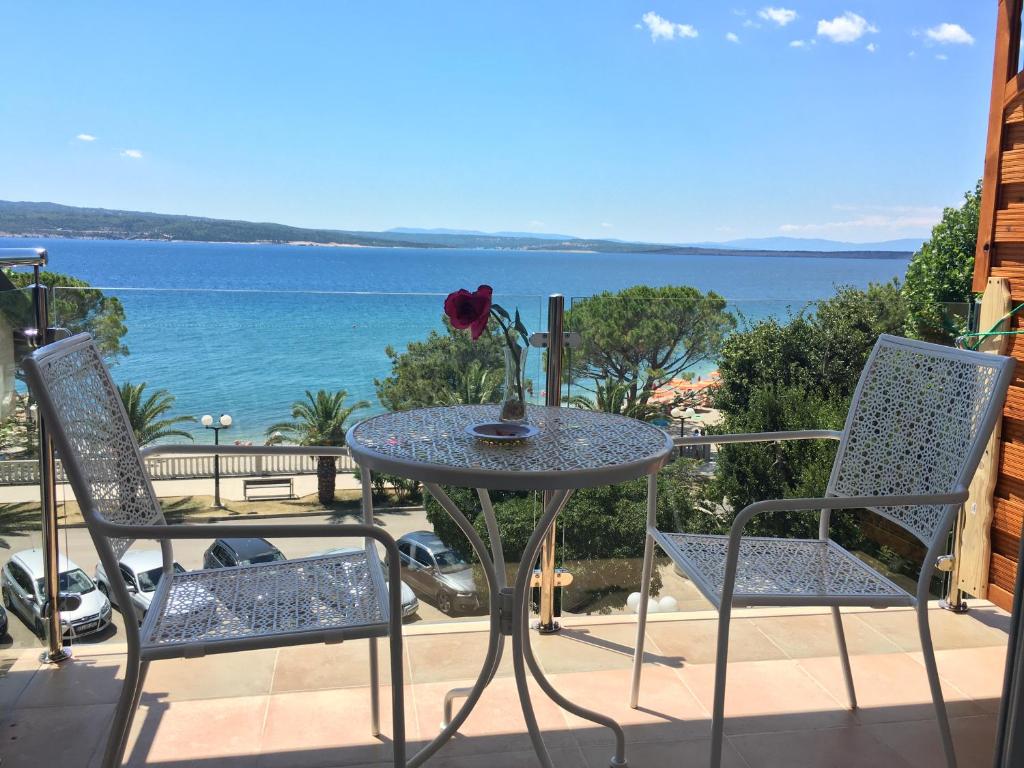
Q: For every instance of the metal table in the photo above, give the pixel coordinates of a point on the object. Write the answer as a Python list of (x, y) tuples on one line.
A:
[(574, 449)]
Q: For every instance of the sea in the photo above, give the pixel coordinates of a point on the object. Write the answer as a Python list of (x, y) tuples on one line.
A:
[(246, 329)]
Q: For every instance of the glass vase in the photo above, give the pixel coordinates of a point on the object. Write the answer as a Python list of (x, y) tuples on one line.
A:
[(513, 394)]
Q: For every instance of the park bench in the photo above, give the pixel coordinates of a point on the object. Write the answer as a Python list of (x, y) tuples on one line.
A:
[(276, 486)]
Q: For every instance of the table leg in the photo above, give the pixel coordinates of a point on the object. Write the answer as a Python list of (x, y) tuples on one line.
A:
[(523, 652), (495, 637)]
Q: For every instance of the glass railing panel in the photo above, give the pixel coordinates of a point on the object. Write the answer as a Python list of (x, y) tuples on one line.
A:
[(253, 355), (20, 515)]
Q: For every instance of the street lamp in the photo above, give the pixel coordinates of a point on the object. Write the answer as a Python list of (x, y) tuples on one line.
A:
[(223, 423)]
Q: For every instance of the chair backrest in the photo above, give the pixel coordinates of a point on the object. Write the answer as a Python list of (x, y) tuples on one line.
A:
[(83, 411), (918, 424)]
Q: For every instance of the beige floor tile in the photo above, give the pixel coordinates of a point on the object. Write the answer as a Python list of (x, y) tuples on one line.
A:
[(694, 642), (667, 710), (219, 676), (828, 748), (454, 656), (587, 649), (90, 680), (325, 728), (15, 674), (768, 695), (918, 742), (661, 754), (804, 637), (496, 724), (205, 732), (53, 736), (890, 687), (949, 630), (340, 665), (978, 672)]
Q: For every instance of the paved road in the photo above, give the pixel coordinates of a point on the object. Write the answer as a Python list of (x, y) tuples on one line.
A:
[(76, 543)]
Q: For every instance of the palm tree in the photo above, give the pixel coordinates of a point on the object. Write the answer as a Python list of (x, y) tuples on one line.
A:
[(319, 420), (477, 386), (146, 414)]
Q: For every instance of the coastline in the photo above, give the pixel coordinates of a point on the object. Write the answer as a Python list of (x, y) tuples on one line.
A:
[(666, 250)]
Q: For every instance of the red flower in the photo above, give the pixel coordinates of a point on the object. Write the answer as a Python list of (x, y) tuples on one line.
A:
[(469, 310)]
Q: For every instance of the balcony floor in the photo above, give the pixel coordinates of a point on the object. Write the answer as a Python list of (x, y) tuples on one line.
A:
[(309, 706)]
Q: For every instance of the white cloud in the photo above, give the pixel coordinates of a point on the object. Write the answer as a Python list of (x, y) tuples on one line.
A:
[(664, 29), (85, 137), (941, 56), (847, 28), (884, 220), (732, 37), (134, 154), (751, 24), (949, 34), (797, 43), (781, 16), (871, 47), (606, 225)]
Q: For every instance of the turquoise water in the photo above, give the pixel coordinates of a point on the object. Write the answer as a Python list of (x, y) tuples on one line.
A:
[(245, 329)]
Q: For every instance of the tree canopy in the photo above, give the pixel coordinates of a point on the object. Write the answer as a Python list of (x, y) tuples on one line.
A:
[(442, 369), (941, 273), (85, 309), (644, 336)]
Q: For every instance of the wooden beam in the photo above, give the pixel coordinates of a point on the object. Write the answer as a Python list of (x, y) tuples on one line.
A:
[(1004, 68), (974, 529)]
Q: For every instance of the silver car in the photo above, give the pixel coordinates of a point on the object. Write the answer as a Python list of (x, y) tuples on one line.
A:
[(410, 603), (141, 571), (23, 586)]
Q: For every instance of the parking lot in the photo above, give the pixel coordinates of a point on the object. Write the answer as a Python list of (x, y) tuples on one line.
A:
[(76, 544)]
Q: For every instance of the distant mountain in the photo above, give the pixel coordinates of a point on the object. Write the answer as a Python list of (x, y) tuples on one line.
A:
[(478, 233), (910, 244), (28, 219)]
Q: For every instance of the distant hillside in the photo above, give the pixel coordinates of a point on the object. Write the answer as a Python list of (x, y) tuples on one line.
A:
[(26, 219), (814, 244)]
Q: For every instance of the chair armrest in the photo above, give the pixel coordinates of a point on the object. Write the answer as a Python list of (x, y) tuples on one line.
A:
[(760, 437), (246, 450), (843, 502)]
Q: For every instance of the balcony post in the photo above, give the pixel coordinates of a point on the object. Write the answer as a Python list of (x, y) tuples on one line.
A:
[(553, 397), (55, 651)]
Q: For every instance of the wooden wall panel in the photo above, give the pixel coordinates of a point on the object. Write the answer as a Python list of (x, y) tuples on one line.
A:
[(1000, 253)]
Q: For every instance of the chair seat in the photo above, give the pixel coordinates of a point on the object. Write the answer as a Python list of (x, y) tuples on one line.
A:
[(775, 571), (316, 599)]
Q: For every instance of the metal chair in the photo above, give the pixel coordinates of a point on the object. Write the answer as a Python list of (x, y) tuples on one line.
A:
[(322, 599), (918, 424)]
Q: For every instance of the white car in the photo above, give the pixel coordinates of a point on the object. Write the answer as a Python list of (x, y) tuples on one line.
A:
[(141, 571), (410, 603), (23, 585)]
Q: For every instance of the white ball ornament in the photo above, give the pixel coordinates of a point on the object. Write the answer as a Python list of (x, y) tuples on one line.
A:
[(668, 604), (633, 601), (653, 606)]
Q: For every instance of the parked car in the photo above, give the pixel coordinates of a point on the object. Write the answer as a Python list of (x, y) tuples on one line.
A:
[(141, 571), (226, 553), (3, 623), (438, 572), (410, 603), (23, 585)]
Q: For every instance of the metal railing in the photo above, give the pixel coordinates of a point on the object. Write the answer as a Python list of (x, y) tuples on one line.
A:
[(26, 472)]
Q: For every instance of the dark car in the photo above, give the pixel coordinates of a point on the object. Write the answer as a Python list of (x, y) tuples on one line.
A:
[(227, 553), (3, 622), (437, 572)]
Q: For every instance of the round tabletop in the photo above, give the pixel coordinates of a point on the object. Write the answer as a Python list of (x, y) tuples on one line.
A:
[(574, 448)]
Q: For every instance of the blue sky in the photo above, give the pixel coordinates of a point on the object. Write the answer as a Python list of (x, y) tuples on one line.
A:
[(666, 121)]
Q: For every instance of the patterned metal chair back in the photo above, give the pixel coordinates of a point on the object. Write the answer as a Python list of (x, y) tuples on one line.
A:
[(918, 424), (84, 412)]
